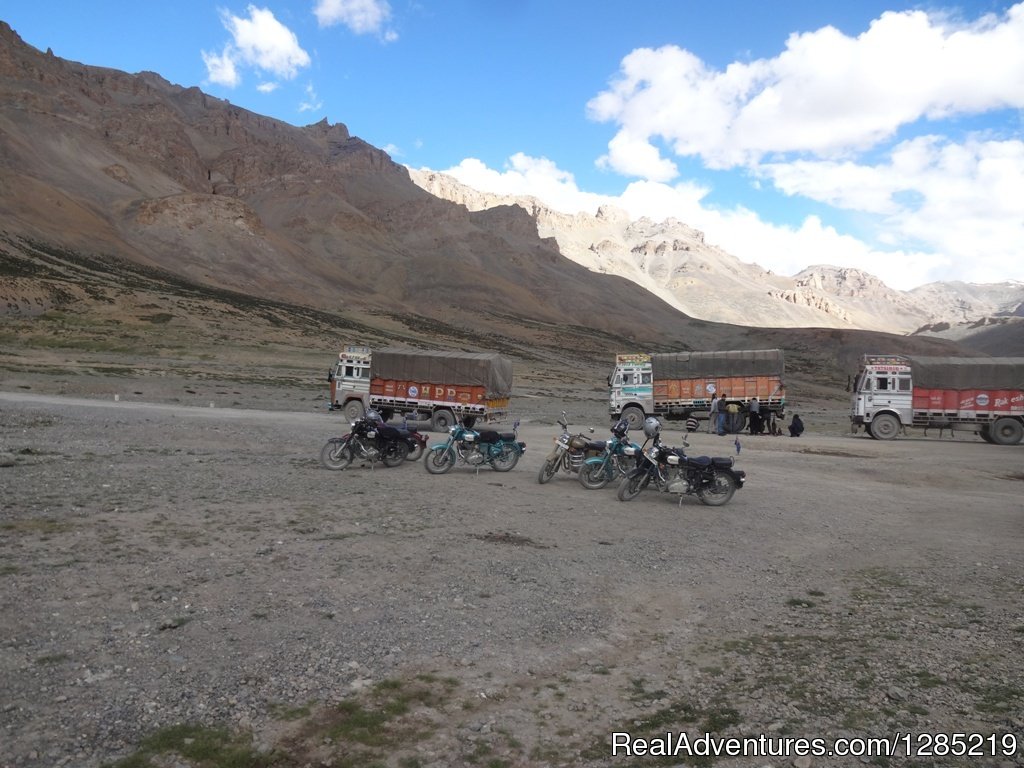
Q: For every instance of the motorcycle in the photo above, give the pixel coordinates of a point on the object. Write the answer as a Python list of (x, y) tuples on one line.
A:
[(613, 462), (370, 439), (501, 450), (669, 470), (416, 441), (569, 453)]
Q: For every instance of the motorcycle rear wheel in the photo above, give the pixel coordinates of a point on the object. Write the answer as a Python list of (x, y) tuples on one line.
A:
[(593, 477), (630, 487), (394, 453), (547, 471), (335, 455), (439, 460), (506, 460), (415, 452), (718, 491)]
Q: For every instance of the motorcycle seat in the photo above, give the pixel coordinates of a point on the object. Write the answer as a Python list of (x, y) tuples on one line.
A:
[(700, 461), (596, 445), (493, 436), (389, 433)]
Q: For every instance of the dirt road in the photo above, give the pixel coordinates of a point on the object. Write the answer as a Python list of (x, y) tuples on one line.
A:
[(162, 564)]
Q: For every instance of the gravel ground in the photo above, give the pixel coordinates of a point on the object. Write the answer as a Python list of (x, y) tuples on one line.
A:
[(164, 564)]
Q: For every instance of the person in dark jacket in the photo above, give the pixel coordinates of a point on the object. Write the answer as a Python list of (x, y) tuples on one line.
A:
[(796, 426)]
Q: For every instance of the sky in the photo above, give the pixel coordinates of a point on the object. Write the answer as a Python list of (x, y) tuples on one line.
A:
[(885, 136)]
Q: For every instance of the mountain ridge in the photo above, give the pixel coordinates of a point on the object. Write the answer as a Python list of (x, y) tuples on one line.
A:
[(672, 260), (108, 167)]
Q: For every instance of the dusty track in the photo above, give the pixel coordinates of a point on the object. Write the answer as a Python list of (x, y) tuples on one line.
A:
[(163, 564)]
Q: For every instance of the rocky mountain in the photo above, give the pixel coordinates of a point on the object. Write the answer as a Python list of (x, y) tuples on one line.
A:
[(144, 207), (673, 261)]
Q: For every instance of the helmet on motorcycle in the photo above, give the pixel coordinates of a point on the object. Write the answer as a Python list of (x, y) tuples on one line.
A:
[(651, 426), (621, 428), (373, 416)]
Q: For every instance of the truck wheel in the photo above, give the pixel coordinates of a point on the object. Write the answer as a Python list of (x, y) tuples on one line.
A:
[(354, 410), (985, 433), (442, 420), (634, 416), (735, 423), (1006, 431), (885, 427)]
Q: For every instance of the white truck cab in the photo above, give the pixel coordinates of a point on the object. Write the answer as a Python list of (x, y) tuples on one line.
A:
[(883, 395)]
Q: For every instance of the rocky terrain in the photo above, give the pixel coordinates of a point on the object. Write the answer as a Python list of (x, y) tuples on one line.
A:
[(187, 586)]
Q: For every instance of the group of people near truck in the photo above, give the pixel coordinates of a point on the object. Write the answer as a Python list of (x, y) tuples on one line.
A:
[(722, 419)]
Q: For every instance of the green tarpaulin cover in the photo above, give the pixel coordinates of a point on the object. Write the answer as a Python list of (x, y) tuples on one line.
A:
[(481, 369), (968, 372), (744, 362)]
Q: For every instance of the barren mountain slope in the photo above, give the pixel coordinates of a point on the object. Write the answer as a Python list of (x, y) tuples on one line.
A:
[(105, 175), (673, 261)]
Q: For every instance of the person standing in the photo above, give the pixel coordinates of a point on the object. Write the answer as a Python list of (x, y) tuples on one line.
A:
[(713, 414), (755, 416), (721, 414)]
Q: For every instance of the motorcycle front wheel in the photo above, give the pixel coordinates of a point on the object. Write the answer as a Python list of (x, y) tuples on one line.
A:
[(394, 453), (439, 460), (718, 491), (335, 455), (547, 471), (630, 487), (505, 460), (594, 477)]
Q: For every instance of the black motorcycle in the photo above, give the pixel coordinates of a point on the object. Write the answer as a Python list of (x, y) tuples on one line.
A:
[(370, 439), (713, 480)]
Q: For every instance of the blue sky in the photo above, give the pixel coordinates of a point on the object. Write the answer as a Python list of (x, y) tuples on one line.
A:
[(883, 136)]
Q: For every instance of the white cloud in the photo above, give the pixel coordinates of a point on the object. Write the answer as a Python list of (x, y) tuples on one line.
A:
[(221, 69), (267, 87), (825, 94), (524, 175), (259, 41), (311, 102), (943, 233), (823, 121), (265, 43), (360, 16)]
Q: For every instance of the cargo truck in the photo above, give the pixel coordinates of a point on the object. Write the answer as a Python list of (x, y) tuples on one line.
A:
[(436, 385), (971, 394), (680, 385)]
